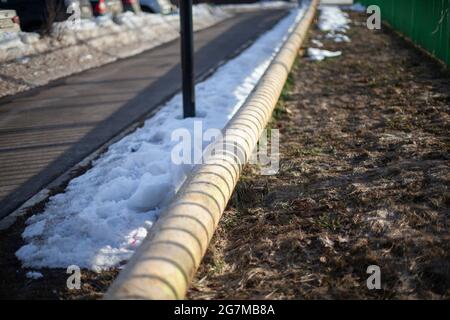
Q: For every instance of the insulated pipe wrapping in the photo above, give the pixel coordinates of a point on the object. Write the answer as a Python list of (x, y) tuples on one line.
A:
[(164, 265)]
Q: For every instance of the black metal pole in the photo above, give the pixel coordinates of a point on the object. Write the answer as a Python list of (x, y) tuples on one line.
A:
[(187, 58)]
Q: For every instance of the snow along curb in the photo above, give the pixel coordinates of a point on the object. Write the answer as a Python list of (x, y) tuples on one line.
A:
[(104, 214), (165, 263)]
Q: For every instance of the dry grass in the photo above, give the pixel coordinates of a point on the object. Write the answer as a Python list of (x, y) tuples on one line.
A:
[(363, 180)]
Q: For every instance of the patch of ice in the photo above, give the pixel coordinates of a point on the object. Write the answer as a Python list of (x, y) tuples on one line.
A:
[(315, 54), (104, 214)]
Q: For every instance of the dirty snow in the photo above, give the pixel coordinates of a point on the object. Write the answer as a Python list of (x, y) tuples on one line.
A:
[(104, 214)]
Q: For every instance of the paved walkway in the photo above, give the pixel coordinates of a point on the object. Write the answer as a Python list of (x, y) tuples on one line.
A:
[(46, 131)]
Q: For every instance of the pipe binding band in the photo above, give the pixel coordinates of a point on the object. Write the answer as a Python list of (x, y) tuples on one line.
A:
[(165, 263)]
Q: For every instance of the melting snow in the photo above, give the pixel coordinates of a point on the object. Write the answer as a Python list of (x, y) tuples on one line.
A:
[(335, 22), (319, 55), (105, 213)]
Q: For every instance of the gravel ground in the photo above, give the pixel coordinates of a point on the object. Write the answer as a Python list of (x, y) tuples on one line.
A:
[(363, 180)]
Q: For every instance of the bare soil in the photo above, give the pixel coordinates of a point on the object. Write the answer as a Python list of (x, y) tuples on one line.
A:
[(363, 180)]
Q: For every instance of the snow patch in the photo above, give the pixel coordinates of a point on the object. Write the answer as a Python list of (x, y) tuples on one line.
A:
[(104, 214), (333, 19), (315, 54), (34, 230), (335, 22)]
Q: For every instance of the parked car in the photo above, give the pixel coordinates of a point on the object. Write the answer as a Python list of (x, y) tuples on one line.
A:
[(9, 21), (106, 7), (132, 6), (40, 14), (157, 6)]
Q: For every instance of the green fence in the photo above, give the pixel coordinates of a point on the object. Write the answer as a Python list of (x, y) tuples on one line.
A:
[(426, 22)]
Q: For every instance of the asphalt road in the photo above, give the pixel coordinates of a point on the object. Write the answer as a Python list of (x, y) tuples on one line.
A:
[(45, 132)]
